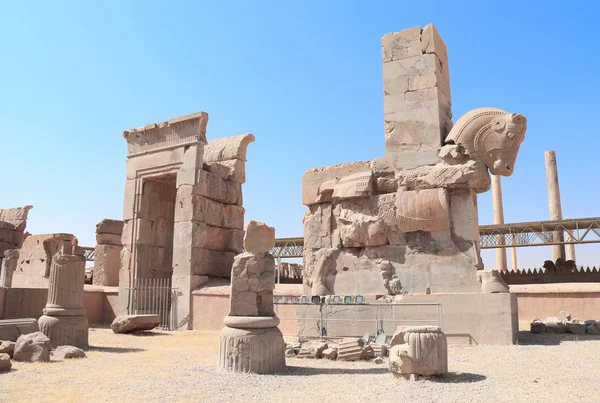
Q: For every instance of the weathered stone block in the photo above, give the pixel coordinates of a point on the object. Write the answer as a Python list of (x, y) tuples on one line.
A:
[(314, 178), (215, 188), (260, 351), (107, 263), (108, 239), (134, 323), (258, 237), (401, 45), (108, 226), (33, 347), (228, 148)]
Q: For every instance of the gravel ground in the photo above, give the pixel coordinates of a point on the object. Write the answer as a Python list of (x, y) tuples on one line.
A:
[(179, 366)]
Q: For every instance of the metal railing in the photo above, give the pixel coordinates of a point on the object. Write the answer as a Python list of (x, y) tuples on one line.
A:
[(326, 320), (154, 296)]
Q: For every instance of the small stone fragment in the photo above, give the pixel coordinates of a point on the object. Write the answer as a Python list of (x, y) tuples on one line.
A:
[(576, 328), (378, 360), (289, 352), (592, 329), (350, 349), (32, 347), (134, 323), (8, 347), (330, 353), (537, 327), (367, 353), (66, 352), (564, 316), (555, 327), (5, 363)]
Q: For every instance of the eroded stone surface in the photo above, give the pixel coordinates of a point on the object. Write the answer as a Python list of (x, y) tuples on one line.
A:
[(32, 347), (5, 363), (134, 323), (258, 237), (423, 351), (67, 352)]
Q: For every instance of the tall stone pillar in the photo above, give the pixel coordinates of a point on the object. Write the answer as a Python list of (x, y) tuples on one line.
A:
[(498, 219), (554, 201), (514, 259), (64, 321), (416, 102)]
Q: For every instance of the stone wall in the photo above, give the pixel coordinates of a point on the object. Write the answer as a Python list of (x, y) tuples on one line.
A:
[(36, 255), (183, 214), (107, 254)]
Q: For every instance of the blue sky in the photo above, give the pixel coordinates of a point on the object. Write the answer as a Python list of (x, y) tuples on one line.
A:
[(303, 76)]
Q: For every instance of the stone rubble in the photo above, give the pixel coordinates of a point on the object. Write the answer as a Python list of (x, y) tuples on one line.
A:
[(7, 347), (134, 323), (562, 323), (32, 347), (67, 352), (5, 363)]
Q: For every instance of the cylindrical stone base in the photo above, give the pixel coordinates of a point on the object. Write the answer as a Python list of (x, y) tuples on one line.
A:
[(65, 330), (424, 352), (259, 351)]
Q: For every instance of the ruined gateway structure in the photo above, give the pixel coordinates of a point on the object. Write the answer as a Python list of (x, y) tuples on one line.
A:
[(406, 223), (183, 215)]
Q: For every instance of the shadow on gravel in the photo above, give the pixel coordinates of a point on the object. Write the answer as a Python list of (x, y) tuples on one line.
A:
[(462, 377), (551, 339), (117, 350), (151, 333), (305, 371)]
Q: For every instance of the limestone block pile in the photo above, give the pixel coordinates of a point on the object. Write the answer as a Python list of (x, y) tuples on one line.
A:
[(418, 351), (251, 340), (347, 349), (563, 323), (64, 320), (407, 222), (107, 253)]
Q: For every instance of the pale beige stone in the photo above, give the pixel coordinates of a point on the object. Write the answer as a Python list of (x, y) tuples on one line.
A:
[(108, 226), (228, 148), (5, 363), (491, 136), (32, 347), (63, 321), (259, 351), (313, 179), (215, 188), (491, 282), (108, 239), (421, 210), (234, 170), (258, 237), (35, 258), (67, 352), (107, 263), (400, 45), (134, 323), (424, 351)]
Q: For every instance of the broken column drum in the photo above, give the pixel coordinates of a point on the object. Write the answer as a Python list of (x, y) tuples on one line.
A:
[(424, 352), (64, 321), (251, 340)]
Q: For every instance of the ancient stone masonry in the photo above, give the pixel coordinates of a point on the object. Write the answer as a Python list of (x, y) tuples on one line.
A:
[(12, 234), (418, 351), (12, 227), (36, 256), (107, 254), (183, 214), (407, 222), (64, 320), (251, 340)]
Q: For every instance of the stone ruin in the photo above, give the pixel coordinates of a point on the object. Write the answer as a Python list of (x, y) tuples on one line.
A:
[(251, 340), (64, 321), (12, 235), (407, 223), (418, 351), (107, 253), (36, 256), (183, 215)]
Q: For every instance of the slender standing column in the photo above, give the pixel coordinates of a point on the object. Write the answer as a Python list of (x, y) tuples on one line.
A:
[(514, 258), (554, 201), (498, 219)]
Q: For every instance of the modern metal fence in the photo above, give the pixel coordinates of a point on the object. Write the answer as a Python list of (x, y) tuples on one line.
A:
[(154, 296), (352, 319)]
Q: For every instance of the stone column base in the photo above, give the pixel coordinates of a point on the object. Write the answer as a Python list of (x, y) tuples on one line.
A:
[(65, 330), (260, 351)]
